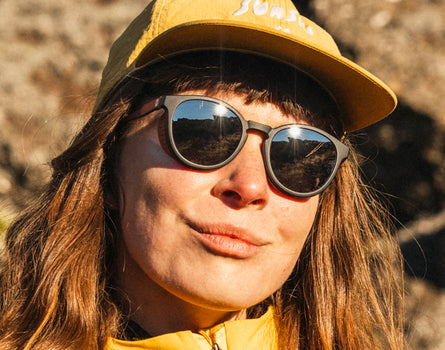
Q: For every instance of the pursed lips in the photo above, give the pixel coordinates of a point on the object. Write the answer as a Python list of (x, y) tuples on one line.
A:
[(227, 239)]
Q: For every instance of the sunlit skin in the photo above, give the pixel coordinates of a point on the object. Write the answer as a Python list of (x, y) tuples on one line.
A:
[(201, 247)]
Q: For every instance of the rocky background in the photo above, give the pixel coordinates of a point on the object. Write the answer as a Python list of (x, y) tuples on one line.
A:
[(52, 53)]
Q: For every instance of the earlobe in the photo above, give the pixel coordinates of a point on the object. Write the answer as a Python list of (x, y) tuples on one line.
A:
[(113, 196), (110, 201)]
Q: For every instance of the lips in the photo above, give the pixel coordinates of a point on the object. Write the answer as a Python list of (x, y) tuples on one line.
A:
[(227, 240)]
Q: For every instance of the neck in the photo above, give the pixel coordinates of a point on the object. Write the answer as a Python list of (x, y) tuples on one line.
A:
[(158, 311)]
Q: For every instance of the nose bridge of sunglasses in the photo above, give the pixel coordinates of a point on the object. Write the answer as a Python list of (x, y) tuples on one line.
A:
[(262, 128)]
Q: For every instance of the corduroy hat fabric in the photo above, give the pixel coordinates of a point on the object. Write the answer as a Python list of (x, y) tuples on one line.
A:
[(273, 28)]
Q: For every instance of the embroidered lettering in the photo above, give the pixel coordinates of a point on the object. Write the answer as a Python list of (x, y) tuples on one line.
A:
[(286, 30), (301, 23), (307, 29), (277, 11), (260, 9), (292, 16), (243, 9)]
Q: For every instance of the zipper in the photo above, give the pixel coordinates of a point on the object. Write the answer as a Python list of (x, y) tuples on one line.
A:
[(213, 343)]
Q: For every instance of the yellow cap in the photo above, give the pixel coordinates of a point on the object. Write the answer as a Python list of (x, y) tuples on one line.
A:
[(273, 28)]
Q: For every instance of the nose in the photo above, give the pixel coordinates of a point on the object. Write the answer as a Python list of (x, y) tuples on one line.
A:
[(243, 182)]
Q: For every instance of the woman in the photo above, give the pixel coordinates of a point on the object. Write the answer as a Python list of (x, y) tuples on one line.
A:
[(208, 203)]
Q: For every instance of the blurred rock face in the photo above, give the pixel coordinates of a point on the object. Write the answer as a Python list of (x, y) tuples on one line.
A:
[(52, 53)]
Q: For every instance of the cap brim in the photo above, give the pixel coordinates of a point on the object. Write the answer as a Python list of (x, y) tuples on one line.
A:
[(362, 98)]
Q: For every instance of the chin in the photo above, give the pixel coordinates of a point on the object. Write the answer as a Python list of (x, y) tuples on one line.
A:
[(224, 299)]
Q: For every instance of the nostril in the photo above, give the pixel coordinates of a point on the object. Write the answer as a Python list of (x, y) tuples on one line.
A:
[(257, 201), (232, 194), (235, 196)]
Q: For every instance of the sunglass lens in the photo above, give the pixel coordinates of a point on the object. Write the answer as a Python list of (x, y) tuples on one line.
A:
[(302, 159), (205, 132)]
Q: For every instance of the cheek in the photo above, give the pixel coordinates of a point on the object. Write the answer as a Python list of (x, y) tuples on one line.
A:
[(296, 220), (139, 172)]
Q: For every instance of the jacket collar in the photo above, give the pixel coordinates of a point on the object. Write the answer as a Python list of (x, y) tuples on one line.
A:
[(259, 333)]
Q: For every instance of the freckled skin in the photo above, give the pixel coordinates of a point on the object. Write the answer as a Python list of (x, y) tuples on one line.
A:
[(174, 278)]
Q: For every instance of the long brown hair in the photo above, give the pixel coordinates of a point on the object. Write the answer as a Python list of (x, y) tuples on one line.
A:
[(57, 277)]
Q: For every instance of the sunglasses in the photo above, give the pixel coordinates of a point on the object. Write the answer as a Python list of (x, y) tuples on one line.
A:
[(205, 133)]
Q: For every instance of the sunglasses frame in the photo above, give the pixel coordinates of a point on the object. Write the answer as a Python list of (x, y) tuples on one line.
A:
[(169, 103)]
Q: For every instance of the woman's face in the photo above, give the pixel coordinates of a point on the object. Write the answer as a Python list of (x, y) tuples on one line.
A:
[(220, 240)]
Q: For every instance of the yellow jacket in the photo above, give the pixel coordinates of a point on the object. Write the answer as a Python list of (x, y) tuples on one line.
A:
[(258, 334)]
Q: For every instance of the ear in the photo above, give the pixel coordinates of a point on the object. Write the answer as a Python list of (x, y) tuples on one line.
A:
[(112, 194), (111, 201)]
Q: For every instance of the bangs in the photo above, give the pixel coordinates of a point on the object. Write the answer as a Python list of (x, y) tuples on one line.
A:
[(257, 78)]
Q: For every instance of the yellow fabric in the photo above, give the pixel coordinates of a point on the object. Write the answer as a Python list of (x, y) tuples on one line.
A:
[(252, 334), (272, 28)]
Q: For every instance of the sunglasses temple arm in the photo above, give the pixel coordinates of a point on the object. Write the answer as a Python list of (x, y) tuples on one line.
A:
[(146, 108)]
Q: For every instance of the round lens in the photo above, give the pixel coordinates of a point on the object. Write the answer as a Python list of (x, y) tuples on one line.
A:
[(205, 132), (302, 159)]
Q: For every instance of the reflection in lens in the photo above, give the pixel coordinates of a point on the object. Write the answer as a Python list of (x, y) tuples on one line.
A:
[(205, 132), (302, 161)]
